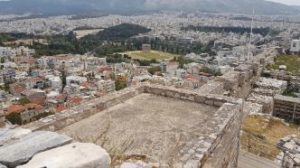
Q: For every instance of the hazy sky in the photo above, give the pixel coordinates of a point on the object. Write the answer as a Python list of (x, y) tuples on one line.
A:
[(289, 2)]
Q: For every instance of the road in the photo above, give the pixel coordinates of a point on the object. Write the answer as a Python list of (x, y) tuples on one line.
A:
[(248, 160)]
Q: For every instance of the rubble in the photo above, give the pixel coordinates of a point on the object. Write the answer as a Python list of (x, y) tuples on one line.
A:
[(274, 84), (290, 156)]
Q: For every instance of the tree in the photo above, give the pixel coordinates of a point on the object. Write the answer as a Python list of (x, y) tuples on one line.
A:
[(121, 82), (153, 70), (14, 118), (64, 80), (2, 60), (181, 62), (24, 101)]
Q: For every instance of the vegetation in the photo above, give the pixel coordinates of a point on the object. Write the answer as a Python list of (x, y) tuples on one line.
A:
[(121, 82), (239, 30), (5, 87), (261, 135), (154, 70), (23, 101), (292, 63), (14, 118), (103, 43), (213, 72), (5, 37)]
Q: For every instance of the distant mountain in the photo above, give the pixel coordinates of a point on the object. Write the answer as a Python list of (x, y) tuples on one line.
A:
[(58, 7)]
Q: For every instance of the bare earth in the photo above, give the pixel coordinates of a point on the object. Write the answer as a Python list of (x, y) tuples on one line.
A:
[(148, 125)]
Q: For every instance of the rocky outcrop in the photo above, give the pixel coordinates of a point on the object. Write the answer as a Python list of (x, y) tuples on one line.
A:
[(75, 155), (23, 149)]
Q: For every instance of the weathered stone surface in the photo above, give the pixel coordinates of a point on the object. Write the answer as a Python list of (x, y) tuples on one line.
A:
[(2, 166), (138, 164), (23, 149), (75, 155), (7, 134)]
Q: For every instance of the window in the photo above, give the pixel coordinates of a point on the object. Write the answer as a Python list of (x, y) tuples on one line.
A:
[(294, 44)]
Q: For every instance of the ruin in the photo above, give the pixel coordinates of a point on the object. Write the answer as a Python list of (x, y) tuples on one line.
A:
[(151, 121), (287, 108)]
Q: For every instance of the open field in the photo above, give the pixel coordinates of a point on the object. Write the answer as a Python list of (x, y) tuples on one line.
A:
[(292, 63), (158, 55), (261, 135)]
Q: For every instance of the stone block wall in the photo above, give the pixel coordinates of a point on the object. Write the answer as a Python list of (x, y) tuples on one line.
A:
[(287, 108), (223, 128), (225, 149), (77, 113)]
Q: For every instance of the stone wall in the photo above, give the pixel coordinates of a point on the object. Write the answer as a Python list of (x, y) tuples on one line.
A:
[(287, 108), (223, 128), (77, 113), (225, 149)]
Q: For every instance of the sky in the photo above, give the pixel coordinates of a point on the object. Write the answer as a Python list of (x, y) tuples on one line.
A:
[(288, 2)]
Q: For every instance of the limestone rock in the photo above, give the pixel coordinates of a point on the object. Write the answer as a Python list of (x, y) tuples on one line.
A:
[(138, 164), (8, 134), (75, 155), (2, 166), (25, 148)]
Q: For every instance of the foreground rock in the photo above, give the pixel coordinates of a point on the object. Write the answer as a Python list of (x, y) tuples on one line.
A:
[(9, 134), (2, 166), (75, 155), (25, 148), (138, 164)]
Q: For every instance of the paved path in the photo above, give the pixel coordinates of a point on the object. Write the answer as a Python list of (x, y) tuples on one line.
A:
[(248, 160)]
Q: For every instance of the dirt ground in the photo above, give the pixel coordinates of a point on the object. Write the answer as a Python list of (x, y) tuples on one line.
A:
[(261, 135)]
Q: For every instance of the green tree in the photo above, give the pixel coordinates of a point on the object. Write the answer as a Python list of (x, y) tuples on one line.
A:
[(153, 70), (121, 82), (2, 60), (24, 101), (14, 118)]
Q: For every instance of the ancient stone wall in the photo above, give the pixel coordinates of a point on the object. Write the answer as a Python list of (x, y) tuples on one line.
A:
[(223, 128), (287, 108), (225, 149), (77, 113)]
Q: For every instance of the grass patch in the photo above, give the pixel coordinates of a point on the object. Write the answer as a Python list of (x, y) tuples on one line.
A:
[(262, 134), (292, 63), (157, 55)]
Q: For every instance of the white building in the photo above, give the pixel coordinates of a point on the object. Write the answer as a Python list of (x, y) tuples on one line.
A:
[(295, 46), (55, 82), (78, 80)]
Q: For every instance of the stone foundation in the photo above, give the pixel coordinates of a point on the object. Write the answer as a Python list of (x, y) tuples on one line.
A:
[(207, 150), (287, 108)]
